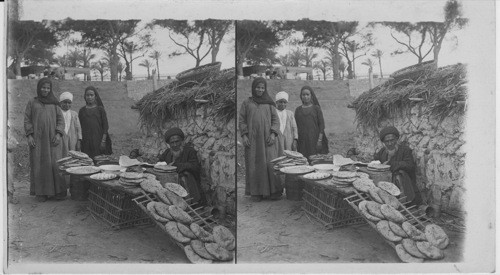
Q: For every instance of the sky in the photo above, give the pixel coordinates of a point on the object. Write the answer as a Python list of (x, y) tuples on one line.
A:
[(424, 10)]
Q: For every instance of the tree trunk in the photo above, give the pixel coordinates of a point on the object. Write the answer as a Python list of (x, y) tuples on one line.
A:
[(336, 61), (197, 63), (370, 77), (215, 51), (436, 50), (113, 63), (102, 76), (324, 75), (353, 66), (158, 69), (149, 76), (350, 74), (380, 67)]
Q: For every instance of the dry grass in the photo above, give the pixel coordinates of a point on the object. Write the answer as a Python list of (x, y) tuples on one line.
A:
[(441, 92)]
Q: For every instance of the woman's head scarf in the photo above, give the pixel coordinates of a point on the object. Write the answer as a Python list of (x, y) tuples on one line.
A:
[(314, 99), (264, 98), (97, 97), (50, 98), (173, 132)]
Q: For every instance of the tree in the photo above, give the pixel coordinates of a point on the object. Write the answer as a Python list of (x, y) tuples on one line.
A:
[(217, 29), (378, 54), (408, 34), (156, 55), (119, 68), (327, 35), (27, 39), (323, 66), (146, 64), (369, 63), (101, 66), (342, 68), (309, 55), (106, 35), (453, 19), (252, 37)]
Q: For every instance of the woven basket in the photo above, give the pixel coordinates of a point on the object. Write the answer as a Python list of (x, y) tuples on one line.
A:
[(199, 73), (413, 72)]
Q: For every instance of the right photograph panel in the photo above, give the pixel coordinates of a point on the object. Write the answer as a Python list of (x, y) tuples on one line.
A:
[(350, 141)]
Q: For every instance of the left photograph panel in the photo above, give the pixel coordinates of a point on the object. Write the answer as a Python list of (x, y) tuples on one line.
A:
[(121, 140)]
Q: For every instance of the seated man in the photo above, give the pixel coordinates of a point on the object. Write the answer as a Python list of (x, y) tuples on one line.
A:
[(400, 158), (186, 160)]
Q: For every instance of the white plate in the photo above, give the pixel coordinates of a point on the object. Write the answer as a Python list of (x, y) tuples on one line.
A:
[(316, 176), (110, 167), (324, 167), (297, 170)]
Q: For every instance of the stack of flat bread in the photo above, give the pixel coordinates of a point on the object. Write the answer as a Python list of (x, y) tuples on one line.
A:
[(290, 158), (131, 179), (164, 168), (74, 159), (378, 167)]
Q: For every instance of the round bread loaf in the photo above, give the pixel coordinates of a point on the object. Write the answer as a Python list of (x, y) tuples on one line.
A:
[(390, 187), (219, 252), (176, 199), (374, 209), (383, 228), (430, 251), (413, 232), (199, 248), (193, 257), (411, 247), (173, 231), (162, 210), (388, 198), (363, 184), (373, 192), (201, 233), (150, 186), (176, 188), (151, 208), (224, 237), (186, 231), (436, 236), (162, 195), (179, 215), (405, 256), (365, 213), (397, 229), (392, 214)]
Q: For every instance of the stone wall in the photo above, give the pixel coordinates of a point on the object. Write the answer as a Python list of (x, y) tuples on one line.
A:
[(214, 141), (437, 149), (136, 89)]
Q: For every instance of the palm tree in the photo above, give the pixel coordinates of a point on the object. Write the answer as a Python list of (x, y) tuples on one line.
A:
[(101, 67), (87, 57), (378, 54), (119, 68), (323, 66), (156, 55), (145, 63), (370, 63)]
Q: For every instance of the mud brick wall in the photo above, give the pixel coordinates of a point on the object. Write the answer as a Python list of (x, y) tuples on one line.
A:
[(214, 141), (437, 149)]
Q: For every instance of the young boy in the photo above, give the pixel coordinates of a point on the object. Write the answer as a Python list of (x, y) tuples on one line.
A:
[(288, 126)]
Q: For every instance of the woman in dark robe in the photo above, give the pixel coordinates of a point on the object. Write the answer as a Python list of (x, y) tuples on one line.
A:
[(259, 127), (400, 158), (310, 125), (185, 158), (44, 126), (94, 122)]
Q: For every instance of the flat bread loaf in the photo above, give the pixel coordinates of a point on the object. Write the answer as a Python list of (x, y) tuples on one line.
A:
[(392, 214), (162, 210), (176, 199), (430, 251), (363, 184), (186, 231), (179, 215), (151, 208), (162, 195), (411, 247), (385, 230), (194, 257), (365, 213), (201, 233), (199, 248), (373, 192), (177, 189), (436, 236), (390, 187), (219, 252), (173, 231), (389, 199), (374, 209), (405, 256), (224, 237), (397, 229), (413, 232)]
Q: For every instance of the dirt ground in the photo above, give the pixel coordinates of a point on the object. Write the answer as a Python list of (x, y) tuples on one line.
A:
[(65, 232), (280, 232)]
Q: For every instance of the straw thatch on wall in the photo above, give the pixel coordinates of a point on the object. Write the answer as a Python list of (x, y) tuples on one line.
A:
[(178, 100), (441, 92)]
